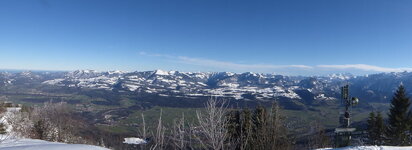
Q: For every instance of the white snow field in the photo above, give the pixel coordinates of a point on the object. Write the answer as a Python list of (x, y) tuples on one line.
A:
[(134, 140), (371, 148), (33, 144)]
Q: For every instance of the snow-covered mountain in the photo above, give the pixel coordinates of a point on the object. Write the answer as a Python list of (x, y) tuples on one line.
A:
[(376, 87), (172, 83)]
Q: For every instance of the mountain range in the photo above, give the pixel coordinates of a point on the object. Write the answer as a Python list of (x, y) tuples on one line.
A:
[(237, 86)]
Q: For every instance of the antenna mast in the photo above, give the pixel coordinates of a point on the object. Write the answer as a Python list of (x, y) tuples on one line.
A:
[(344, 132)]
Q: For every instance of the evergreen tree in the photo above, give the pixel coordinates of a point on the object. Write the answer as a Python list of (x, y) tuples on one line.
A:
[(376, 128), (2, 128), (234, 128), (260, 125), (258, 130), (275, 126), (371, 128), (277, 131), (379, 129), (398, 118), (246, 129), (39, 129)]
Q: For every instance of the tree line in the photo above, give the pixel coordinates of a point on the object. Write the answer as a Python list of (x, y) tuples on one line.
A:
[(218, 127), (215, 127), (397, 130)]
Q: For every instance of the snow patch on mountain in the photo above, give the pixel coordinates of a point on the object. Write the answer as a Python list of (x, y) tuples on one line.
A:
[(53, 82), (323, 97), (340, 76), (161, 72)]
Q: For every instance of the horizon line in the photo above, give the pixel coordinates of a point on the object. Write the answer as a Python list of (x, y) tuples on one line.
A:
[(102, 71)]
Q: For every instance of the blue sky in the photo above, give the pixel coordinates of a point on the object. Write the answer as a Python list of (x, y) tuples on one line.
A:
[(295, 37)]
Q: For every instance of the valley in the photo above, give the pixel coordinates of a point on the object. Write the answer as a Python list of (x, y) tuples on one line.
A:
[(114, 100)]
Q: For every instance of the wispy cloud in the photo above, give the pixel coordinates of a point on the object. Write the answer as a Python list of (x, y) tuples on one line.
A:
[(363, 67), (225, 64), (305, 69), (156, 55)]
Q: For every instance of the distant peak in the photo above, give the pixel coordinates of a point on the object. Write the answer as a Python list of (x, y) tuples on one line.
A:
[(116, 72), (161, 72), (85, 71)]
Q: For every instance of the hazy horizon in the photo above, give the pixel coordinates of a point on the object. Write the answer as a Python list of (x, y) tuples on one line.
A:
[(307, 75)]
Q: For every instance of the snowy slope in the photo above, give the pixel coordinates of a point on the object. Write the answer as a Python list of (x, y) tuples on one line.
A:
[(220, 84), (12, 141), (32, 144), (376, 87), (371, 148)]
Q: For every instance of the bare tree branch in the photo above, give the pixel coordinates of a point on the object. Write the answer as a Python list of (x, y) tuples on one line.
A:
[(213, 124)]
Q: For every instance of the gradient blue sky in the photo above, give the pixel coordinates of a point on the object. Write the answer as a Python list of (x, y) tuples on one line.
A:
[(296, 37)]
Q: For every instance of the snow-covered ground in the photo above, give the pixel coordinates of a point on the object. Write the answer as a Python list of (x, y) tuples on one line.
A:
[(371, 148), (11, 141), (33, 144), (134, 140)]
